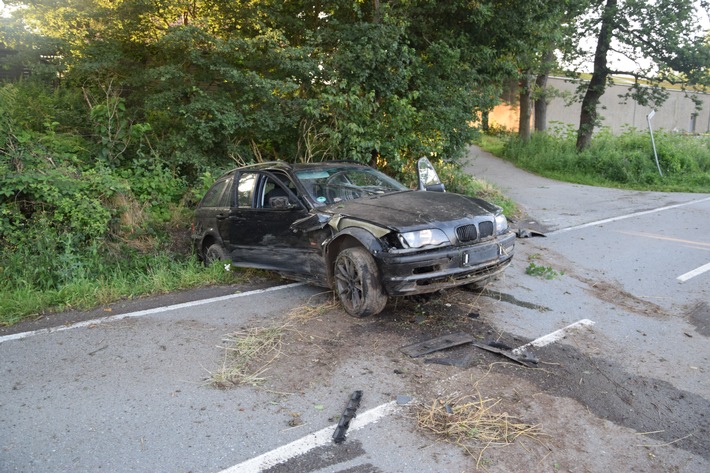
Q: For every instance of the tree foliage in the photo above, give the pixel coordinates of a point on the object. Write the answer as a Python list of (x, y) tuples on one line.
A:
[(131, 102), (661, 41)]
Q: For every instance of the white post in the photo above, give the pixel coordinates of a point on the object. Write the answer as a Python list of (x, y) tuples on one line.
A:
[(653, 142)]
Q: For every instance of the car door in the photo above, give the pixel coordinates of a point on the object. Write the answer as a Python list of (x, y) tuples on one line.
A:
[(260, 226)]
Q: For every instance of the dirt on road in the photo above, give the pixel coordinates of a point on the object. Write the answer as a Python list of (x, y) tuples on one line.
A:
[(586, 413)]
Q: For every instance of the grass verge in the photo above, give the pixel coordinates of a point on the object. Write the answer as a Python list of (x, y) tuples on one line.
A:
[(623, 161), (25, 302)]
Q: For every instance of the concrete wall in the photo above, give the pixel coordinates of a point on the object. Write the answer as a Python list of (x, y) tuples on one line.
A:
[(675, 114)]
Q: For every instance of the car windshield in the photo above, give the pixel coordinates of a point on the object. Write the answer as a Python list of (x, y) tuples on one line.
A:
[(338, 183)]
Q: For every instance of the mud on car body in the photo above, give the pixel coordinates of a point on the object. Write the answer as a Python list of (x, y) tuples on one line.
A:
[(348, 227)]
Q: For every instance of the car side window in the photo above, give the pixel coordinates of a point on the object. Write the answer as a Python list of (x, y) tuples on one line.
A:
[(274, 195), (227, 196), (213, 197), (245, 190)]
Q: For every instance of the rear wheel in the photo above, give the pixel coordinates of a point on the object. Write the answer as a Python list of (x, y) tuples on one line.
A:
[(214, 254), (357, 283)]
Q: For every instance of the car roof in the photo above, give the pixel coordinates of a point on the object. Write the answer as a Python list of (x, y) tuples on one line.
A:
[(284, 166)]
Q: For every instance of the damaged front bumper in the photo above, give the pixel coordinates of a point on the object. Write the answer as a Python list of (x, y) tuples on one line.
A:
[(429, 271)]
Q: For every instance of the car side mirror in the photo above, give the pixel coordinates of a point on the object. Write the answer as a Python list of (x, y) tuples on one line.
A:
[(428, 178), (280, 203)]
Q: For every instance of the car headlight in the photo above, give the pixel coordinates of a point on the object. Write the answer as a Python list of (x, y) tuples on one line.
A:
[(501, 224), (418, 239)]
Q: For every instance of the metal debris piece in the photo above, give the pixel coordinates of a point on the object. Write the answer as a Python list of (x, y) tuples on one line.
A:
[(527, 233), (500, 345), (464, 362), (435, 344), (524, 359), (348, 415)]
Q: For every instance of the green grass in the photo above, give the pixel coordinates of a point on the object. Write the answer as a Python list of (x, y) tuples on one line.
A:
[(21, 302), (622, 161), (455, 180)]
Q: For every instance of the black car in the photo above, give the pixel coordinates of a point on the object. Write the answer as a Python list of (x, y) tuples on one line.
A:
[(349, 227)]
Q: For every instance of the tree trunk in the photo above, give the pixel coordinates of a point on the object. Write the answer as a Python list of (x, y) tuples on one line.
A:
[(525, 107), (541, 94), (541, 103), (597, 85)]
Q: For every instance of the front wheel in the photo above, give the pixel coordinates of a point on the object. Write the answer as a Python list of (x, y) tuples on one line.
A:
[(357, 283)]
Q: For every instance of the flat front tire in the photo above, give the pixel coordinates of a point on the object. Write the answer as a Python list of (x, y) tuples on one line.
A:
[(357, 283)]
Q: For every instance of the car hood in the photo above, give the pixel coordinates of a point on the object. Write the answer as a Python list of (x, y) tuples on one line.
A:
[(412, 209)]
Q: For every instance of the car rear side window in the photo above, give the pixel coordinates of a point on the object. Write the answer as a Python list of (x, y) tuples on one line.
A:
[(212, 197)]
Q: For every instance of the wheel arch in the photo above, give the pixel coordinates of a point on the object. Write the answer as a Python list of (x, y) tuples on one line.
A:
[(208, 240), (349, 238)]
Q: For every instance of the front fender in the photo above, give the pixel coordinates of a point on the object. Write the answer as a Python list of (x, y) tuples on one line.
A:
[(347, 238)]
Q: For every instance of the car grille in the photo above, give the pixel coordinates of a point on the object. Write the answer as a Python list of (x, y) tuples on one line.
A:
[(486, 229), (466, 233)]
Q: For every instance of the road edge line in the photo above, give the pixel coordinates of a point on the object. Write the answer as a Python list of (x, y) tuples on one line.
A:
[(624, 217), (141, 313), (696, 272), (554, 336), (309, 442)]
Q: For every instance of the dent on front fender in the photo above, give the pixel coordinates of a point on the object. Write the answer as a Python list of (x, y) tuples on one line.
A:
[(312, 222), (341, 222)]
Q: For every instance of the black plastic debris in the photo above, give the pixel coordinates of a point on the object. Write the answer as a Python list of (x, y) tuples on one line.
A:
[(348, 415), (500, 345), (525, 359), (527, 233), (435, 344)]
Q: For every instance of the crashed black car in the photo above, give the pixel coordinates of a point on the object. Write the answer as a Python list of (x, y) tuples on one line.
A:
[(349, 227)]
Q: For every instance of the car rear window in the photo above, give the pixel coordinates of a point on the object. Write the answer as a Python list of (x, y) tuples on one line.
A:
[(212, 197)]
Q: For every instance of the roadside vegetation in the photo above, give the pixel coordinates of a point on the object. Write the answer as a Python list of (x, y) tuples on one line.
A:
[(82, 225), (624, 161), (115, 117)]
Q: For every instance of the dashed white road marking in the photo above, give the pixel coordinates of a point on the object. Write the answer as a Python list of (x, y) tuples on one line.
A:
[(554, 336), (141, 313), (309, 442), (693, 273), (623, 217)]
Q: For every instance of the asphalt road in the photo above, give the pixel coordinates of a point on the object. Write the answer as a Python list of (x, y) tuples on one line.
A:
[(648, 251), (131, 393)]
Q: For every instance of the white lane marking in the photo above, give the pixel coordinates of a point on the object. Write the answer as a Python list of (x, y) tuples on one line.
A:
[(141, 313), (309, 442), (554, 336), (623, 217), (693, 273)]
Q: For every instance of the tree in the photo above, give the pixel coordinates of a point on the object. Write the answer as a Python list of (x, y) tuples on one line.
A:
[(542, 96), (214, 80), (665, 35)]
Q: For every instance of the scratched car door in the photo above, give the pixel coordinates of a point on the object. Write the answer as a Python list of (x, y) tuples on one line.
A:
[(260, 227)]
